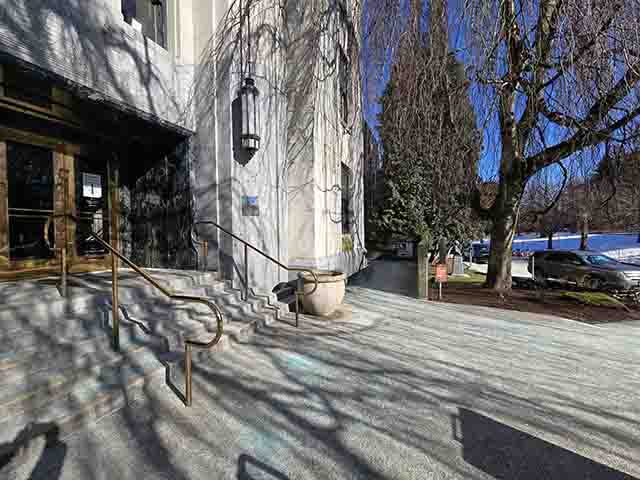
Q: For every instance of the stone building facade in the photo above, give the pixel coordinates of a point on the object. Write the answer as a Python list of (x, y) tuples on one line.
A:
[(137, 100)]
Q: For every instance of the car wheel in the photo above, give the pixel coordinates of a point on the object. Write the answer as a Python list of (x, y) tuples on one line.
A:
[(593, 283), (539, 277)]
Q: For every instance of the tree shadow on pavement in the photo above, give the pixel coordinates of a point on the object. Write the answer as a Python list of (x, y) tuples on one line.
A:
[(245, 460), (36, 440), (505, 452)]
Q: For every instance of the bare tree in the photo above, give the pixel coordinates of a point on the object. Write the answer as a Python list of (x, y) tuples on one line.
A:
[(545, 209), (553, 78)]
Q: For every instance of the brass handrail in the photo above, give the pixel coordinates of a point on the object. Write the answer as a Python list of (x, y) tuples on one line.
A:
[(299, 290), (188, 344)]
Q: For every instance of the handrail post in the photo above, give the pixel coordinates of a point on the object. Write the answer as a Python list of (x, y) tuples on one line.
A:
[(299, 291), (63, 272), (205, 254), (64, 175), (114, 303), (188, 380), (246, 272)]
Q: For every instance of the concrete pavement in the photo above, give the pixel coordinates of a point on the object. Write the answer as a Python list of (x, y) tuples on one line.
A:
[(395, 389)]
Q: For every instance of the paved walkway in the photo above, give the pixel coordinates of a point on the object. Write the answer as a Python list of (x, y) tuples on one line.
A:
[(396, 389)]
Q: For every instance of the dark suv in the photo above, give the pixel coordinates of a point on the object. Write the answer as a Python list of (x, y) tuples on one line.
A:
[(584, 268)]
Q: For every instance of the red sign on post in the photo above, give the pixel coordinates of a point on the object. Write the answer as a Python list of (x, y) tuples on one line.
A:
[(441, 273)]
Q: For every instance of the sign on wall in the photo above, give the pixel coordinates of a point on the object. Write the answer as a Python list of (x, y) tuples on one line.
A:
[(91, 185), (250, 206)]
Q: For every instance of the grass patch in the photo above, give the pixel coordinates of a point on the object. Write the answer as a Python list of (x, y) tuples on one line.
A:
[(469, 277), (347, 243), (593, 299)]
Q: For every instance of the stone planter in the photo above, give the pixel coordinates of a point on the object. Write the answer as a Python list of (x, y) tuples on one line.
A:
[(327, 297)]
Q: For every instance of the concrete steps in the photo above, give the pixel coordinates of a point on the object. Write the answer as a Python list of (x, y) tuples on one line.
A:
[(69, 402), (57, 364), (59, 352)]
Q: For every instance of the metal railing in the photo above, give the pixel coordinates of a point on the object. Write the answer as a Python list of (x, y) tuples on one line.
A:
[(299, 283), (115, 254)]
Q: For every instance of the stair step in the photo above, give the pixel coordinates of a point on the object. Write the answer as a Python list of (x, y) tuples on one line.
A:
[(14, 315), (87, 399), (15, 365), (72, 329), (56, 360), (234, 298), (94, 288), (37, 391)]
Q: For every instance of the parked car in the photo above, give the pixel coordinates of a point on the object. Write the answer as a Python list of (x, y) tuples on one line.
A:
[(585, 268)]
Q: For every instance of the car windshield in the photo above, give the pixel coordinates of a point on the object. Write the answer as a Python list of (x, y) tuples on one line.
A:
[(600, 260)]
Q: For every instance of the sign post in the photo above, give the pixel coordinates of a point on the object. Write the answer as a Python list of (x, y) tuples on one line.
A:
[(441, 277)]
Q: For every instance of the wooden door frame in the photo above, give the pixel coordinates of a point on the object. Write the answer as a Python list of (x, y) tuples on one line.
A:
[(63, 158)]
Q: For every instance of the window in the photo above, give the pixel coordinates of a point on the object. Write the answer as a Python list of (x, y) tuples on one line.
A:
[(574, 259), (564, 258), (346, 199), (150, 15), (25, 86), (30, 200), (601, 260), (344, 74)]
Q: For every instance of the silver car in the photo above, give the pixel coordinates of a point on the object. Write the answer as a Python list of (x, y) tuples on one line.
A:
[(584, 268)]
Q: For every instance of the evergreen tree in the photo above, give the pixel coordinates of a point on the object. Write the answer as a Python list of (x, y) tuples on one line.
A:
[(430, 142)]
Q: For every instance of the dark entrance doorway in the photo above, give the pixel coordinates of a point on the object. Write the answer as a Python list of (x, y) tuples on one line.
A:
[(38, 181)]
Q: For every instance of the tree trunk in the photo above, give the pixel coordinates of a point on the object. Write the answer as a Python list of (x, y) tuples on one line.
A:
[(550, 241), (504, 211), (584, 232), (442, 250), (423, 270), (638, 218), (501, 251)]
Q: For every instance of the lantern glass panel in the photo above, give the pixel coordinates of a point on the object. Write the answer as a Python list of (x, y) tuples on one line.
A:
[(251, 107), (250, 127)]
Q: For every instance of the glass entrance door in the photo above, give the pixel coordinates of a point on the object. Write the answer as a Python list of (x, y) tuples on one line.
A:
[(31, 186), (91, 206), (37, 182)]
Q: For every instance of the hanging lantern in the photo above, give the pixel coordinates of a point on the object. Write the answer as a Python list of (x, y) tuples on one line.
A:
[(249, 135)]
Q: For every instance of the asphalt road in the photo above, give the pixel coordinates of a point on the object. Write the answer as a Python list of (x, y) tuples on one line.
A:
[(518, 267), (395, 389)]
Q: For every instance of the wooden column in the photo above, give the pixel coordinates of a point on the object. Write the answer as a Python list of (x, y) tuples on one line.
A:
[(114, 206), (114, 203), (59, 174), (64, 201), (4, 208), (69, 164)]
